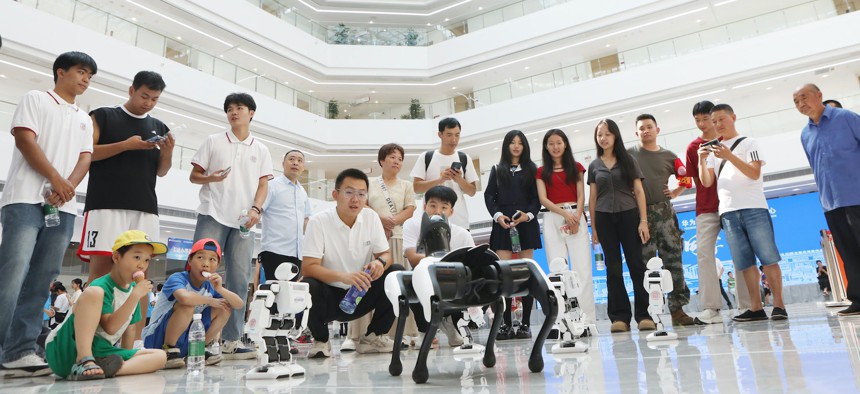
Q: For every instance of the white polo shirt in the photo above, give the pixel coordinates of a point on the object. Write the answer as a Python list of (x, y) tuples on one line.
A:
[(63, 131), (433, 172), (284, 212), (249, 161), (460, 238), (340, 247), (736, 190)]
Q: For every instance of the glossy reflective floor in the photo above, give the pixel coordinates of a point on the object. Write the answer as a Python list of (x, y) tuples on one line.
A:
[(812, 352)]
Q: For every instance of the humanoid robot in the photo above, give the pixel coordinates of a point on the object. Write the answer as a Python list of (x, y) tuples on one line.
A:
[(569, 323), (658, 282), (457, 280), (272, 318)]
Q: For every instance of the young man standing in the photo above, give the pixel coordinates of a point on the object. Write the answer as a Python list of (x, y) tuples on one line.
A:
[(234, 169), (449, 167), (831, 141), (128, 144), (346, 246), (285, 216), (657, 166), (54, 143), (735, 164), (708, 225)]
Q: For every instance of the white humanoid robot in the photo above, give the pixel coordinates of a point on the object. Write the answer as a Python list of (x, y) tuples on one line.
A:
[(658, 282), (569, 323), (469, 347), (272, 318)]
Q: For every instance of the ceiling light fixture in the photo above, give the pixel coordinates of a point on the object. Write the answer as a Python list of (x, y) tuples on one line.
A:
[(383, 12), (179, 23), (720, 4)]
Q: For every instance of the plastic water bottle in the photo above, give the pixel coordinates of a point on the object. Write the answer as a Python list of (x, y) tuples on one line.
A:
[(516, 247), (244, 232), (196, 345), (52, 214), (195, 382), (352, 298), (598, 258)]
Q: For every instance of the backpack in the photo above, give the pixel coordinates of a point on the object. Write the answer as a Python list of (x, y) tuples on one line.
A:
[(428, 157)]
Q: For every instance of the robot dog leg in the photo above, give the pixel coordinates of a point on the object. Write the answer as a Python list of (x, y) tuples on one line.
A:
[(569, 323), (269, 330), (658, 282)]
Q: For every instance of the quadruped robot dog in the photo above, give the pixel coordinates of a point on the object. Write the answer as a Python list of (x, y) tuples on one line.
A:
[(445, 282)]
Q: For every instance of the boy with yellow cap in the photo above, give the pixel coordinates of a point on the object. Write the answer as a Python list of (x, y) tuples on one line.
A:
[(82, 347)]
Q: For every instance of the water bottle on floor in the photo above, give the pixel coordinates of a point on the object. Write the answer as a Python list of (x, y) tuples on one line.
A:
[(352, 298), (52, 214), (196, 346)]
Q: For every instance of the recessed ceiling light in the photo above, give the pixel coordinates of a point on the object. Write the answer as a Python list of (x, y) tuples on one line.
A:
[(698, 21), (428, 24), (480, 8), (2, 75), (344, 110), (576, 131), (446, 19), (825, 75), (255, 69), (371, 22), (496, 148), (372, 91), (453, 87), (310, 91), (667, 110), (608, 45), (768, 88), (179, 38), (134, 19), (220, 55), (286, 82), (526, 68), (534, 139), (376, 101)]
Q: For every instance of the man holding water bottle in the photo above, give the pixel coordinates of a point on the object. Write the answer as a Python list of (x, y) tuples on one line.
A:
[(346, 247)]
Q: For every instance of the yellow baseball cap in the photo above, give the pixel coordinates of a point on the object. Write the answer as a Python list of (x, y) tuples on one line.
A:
[(135, 237)]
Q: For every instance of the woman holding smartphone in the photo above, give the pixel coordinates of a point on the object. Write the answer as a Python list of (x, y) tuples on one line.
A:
[(617, 206), (512, 199), (560, 188)]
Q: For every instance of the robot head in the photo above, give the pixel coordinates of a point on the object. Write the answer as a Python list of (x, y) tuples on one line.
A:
[(557, 265), (287, 271), (435, 236), (655, 264)]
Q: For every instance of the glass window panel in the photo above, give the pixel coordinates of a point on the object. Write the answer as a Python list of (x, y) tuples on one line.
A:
[(304, 24), (91, 18), (150, 41), (266, 87), (634, 57), (493, 18), (687, 44), (542, 82), (661, 51), (482, 97), (246, 79), (203, 62), (177, 52), (122, 30), (741, 30), (714, 37), (61, 8), (500, 93), (284, 94), (475, 24), (512, 11), (521, 88), (770, 22), (224, 70), (801, 14), (558, 78), (530, 6)]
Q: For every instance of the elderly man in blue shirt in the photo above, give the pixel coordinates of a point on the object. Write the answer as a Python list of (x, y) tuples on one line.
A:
[(285, 215), (831, 141)]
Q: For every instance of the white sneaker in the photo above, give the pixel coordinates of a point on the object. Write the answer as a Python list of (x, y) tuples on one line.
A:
[(454, 338), (709, 316), (348, 345), (236, 350), (320, 349), (375, 344), (27, 366)]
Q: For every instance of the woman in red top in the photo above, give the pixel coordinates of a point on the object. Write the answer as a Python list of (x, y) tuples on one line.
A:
[(561, 190)]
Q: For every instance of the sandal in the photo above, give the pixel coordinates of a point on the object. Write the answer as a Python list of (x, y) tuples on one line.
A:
[(110, 364), (81, 367)]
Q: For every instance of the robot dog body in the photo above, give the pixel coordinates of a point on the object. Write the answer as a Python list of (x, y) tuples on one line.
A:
[(456, 281)]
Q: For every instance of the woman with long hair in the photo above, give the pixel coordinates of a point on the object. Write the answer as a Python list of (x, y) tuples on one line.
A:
[(561, 191), (512, 199), (619, 220)]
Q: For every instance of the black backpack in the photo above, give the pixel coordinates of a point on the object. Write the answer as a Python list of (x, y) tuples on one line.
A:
[(428, 157)]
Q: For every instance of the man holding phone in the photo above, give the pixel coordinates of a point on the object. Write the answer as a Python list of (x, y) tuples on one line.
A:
[(451, 171)]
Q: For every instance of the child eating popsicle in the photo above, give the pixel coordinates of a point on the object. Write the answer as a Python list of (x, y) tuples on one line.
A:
[(197, 290), (82, 347)]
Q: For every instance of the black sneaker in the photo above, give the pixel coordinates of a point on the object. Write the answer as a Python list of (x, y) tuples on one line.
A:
[(174, 358), (853, 310), (778, 314), (212, 358), (523, 332), (504, 333), (751, 316)]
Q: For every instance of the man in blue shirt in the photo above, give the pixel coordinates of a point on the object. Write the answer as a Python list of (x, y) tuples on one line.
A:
[(285, 215), (831, 141)]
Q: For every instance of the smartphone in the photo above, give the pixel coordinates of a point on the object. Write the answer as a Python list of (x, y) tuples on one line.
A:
[(713, 142), (517, 215), (456, 165), (156, 138), (226, 170)]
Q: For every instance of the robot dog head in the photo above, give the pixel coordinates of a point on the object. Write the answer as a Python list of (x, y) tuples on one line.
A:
[(435, 236)]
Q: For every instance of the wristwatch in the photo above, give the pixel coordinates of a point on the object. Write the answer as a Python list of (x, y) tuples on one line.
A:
[(381, 260)]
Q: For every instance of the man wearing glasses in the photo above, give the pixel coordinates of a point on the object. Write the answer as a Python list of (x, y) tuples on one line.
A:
[(346, 246)]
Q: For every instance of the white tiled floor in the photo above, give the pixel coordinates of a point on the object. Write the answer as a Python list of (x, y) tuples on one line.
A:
[(812, 352)]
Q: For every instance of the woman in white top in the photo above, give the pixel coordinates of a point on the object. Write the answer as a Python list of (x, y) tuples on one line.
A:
[(394, 200), (61, 305)]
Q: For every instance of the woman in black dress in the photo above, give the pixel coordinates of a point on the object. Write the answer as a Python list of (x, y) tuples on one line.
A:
[(512, 200)]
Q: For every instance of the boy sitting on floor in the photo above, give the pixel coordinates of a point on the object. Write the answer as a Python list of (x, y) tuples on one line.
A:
[(82, 347), (186, 293)]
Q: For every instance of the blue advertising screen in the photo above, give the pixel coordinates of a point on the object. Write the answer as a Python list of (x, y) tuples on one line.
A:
[(797, 222), (179, 248)]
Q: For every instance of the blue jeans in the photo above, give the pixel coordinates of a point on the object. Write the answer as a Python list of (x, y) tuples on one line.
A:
[(30, 258), (749, 233), (237, 266)]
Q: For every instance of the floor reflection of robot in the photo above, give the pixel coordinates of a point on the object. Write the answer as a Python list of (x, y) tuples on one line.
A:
[(458, 280), (658, 282), (272, 318), (569, 323), (572, 368)]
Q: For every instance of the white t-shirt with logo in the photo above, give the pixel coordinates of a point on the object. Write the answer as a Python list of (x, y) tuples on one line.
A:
[(343, 248), (736, 190), (63, 131), (433, 172)]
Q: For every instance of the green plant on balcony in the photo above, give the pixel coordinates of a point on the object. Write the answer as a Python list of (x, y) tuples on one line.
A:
[(341, 34), (415, 109), (333, 110), (411, 38)]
